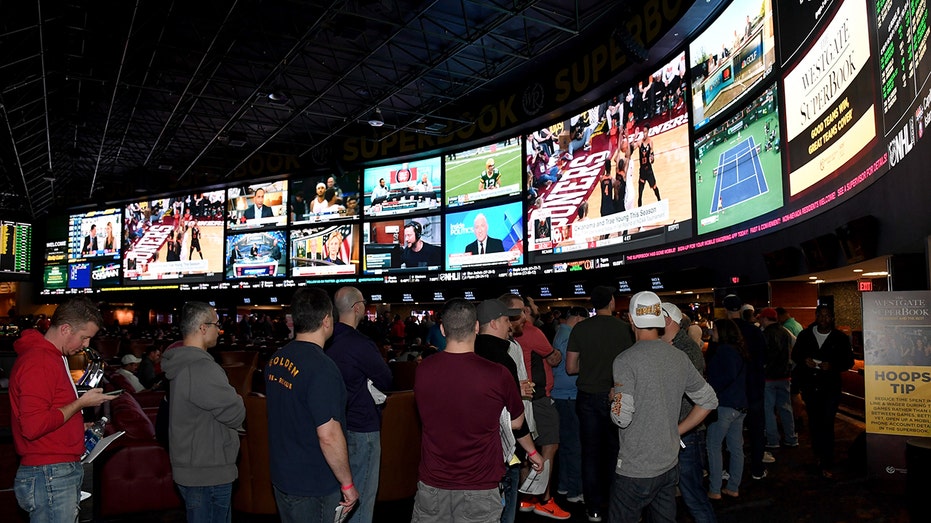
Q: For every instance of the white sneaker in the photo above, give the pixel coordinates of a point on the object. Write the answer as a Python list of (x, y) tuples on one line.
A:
[(768, 457), (725, 475), (576, 499)]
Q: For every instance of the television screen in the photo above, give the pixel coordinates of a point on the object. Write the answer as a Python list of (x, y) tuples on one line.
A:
[(402, 246), (483, 237), (732, 55), (174, 238), (256, 255), (318, 199), (324, 251), (79, 275), (55, 277), (486, 172), (830, 99), (94, 234), (15, 247), (403, 188), (738, 166), (619, 173), (257, 206)]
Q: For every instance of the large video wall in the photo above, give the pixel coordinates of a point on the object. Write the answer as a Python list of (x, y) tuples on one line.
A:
[(763, 119)]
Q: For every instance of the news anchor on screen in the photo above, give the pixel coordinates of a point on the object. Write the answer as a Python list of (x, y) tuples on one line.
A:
[(418, 253), (90, 241), (483, 244), (258, 209)]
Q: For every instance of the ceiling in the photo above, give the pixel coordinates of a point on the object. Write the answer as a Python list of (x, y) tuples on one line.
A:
[(157, 92)]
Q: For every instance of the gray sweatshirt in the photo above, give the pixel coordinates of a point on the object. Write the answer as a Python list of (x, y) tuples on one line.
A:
[(204, 413)]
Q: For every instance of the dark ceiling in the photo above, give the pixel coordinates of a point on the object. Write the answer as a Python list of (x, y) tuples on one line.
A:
[(95, 94)]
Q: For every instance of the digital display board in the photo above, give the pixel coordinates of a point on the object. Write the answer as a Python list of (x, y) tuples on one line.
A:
[(904, 63), (256, 255), (95, 234), (174, 238), (402, 188), (484, 237), (399, 246), (730, 56), (738, 166), (325, 198), (617, 181), (830, 98), (796, 22), (324, 251), (483, 173), (15, 247), (257, 206)]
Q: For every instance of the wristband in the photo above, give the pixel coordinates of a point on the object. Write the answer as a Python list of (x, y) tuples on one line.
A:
[(346, 487), (532, 454)]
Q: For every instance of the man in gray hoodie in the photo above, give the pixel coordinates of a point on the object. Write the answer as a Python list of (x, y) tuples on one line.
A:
[(204, 413)]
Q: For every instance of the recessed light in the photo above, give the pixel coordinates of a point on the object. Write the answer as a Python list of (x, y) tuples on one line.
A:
[(818, 281), (812, 277), (678, 292), (877, 273), (858, 270)]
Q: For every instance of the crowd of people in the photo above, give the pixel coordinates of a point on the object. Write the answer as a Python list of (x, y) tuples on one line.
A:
[(613, 411)]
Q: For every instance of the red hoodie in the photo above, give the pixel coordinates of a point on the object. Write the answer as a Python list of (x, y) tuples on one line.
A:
[(39, 386)]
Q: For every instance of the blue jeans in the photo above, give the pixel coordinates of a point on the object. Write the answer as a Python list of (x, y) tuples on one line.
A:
[(364, 461), (50, 493), (306, 509), (570, 448), (509, 485), (778, 400), (599, 448), (575, 145), (729, 426), (207, 504), (691, 475), (630, 496)]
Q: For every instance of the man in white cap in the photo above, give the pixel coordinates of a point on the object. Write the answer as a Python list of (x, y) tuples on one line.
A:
[(649, 380), (128, 370)]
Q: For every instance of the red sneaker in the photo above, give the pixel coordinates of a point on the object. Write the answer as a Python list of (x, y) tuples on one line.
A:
[(527, 505), (551, 510)]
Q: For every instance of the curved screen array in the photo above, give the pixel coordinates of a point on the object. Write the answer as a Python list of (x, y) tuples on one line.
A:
[(626, 179)]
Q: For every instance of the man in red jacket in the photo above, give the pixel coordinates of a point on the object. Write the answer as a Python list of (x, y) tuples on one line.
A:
[(48, 430)]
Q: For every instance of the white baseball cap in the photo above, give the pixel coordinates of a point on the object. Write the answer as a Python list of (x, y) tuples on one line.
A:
[(673, 312), (646, 311)]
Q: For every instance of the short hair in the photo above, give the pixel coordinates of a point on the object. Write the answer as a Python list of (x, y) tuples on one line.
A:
[(329, 193), (346, 297), (309, 307), (257, 192), (459, 319), (193, 315), (508, 297), (77, 312)]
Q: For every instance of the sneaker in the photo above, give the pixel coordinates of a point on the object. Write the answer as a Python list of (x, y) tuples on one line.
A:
[(768, 457), (725, 475), (761, 476), (527, 505), (576, 499), (772, 445), (551, 510), (594, 516), (562, 492), (790, 445)]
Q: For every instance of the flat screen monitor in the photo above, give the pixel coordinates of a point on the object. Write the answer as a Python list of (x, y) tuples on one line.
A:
[(738, 166), (55, 277), (15, 247), (732, 55), (402, 188), (257, 206), (484, 237), (95, 235), (403, 246), (618, 178), (175, 238), (484, 173), (261, 254), (326, 250), (324, 198)]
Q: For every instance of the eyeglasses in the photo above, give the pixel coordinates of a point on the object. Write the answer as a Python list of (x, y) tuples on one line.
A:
[(216, 324), (363, 302), (516, 318)]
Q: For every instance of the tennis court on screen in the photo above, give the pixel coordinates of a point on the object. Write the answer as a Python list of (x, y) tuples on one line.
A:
[(739, 176)]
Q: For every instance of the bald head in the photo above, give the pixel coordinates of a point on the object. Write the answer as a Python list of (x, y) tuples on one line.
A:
[(350, 305)]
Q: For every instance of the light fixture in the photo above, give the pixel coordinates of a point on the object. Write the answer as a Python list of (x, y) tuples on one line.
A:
[(817, 282), (376, 120), (812, 277), (858, 270), (278, 97), (877, 273)]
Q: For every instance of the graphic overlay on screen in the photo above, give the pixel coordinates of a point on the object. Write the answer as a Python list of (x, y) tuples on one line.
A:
[(95, 234), (619, 171), (174, 238), (55, 271), (830, 98), (738, 166), (732, 55), (257, 206), (403, 246), (324, 251), (486, 172), (402, 188), (324, 198), (256, 255), (483, 237), (15, 247)]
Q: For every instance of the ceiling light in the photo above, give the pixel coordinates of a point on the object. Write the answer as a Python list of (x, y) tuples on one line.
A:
[(817, 281), (812, 277), (877, 273), (376, 120), (278, 97), (858, 270), (678, 292)]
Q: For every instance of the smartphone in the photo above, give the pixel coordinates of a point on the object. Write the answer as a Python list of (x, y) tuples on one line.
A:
[(342, 513), (114, 392)]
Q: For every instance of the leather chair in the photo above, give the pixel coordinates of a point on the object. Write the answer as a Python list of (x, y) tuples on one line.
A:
[(253, 493), (400, 447)]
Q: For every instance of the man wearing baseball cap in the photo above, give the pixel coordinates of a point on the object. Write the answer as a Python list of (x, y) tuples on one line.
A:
[(128, 370), (649, 380)]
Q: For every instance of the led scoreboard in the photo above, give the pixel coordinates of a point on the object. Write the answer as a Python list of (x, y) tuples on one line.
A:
[(15, 247)]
